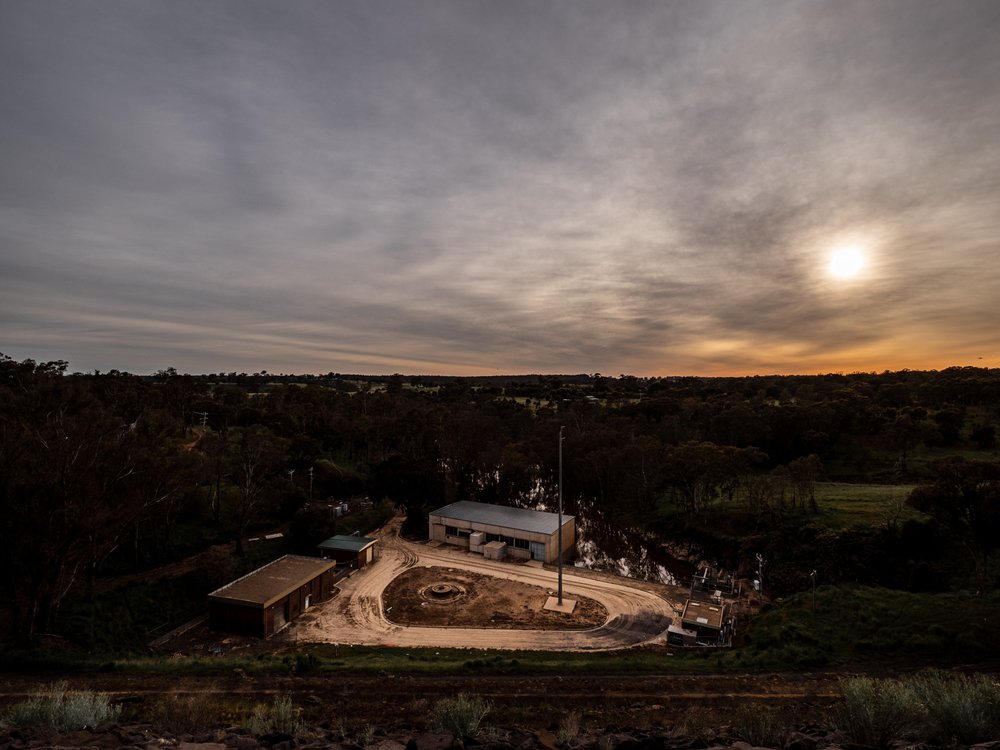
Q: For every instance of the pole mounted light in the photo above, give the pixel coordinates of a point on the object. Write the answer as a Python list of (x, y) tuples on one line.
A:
[(561, 438), (813, 576), (760, 574)]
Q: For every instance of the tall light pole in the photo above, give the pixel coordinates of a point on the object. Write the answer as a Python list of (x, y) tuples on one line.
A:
[(813, 576), (560, 514), (760, 574)]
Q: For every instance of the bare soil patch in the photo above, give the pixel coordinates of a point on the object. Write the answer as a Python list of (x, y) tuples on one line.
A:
[(443, 596)]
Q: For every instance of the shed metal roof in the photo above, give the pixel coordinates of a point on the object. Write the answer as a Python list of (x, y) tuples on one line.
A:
[(276, 580), (704, 614), (347, 543), (536, 521)]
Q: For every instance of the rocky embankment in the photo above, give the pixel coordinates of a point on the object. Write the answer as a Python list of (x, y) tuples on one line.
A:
[(149, 737)]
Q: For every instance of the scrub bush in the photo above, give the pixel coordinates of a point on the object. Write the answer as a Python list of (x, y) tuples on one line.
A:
[(186, 713), (958, 708), (460, 715), (935, 707), (63, 709), (280, 716), (758, 725), (876, 712)]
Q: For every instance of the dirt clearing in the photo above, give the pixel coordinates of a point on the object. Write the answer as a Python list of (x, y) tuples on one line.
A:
[(450, 597)]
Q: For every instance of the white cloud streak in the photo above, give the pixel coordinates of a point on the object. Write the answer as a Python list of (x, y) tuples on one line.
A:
[(499, 186)]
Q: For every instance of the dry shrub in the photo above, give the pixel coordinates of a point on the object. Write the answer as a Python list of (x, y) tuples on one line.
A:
[(181, 713), (460, 715), (63, 709), (936, 707), (959, 709), (759, 725), (698, 722), (876, 712), (280, 716), (569, 728)]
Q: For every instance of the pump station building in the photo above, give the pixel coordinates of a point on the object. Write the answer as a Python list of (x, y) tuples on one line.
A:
[(264, 601), (349, 551), (497, 531)]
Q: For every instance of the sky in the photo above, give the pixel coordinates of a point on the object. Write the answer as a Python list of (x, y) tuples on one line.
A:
[(504, 186)]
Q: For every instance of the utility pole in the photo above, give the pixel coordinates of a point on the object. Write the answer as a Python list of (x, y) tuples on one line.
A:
[(561, 438), (310, 483), (760, 574), (813, 576)]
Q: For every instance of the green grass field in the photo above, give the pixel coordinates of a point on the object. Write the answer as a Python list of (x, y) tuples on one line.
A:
[(844, 505), (840, 505)]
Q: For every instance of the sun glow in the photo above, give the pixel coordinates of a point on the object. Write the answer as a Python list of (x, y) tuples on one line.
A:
[(847, 262)]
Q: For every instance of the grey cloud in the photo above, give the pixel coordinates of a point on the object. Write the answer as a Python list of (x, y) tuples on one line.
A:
[(641, 187)]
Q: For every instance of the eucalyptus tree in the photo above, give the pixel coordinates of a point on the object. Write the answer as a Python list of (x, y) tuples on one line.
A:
[(256, 461), (76, 476), (965, 497)]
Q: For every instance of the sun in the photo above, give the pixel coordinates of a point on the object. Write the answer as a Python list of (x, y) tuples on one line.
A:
[(847, 262)]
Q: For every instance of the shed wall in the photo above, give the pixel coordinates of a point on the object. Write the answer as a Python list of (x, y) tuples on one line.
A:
[(236, 618), (264, 622), (439, 525), (349, 557)]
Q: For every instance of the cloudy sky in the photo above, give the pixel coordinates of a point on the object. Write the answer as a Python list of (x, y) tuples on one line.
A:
[(470, 187)]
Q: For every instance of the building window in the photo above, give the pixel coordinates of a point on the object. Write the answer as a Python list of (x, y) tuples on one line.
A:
[(510, 541), (451, 531)]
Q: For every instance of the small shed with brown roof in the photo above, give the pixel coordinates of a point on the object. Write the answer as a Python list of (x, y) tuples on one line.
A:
[(262, 602), (349, 551), (707, 619)]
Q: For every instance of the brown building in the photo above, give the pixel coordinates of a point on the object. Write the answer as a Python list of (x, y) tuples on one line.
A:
[(262, 602), (524, 534), (349, 551), (708, 620)]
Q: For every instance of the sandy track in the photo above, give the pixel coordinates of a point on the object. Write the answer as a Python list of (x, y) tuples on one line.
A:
[(356, 616)]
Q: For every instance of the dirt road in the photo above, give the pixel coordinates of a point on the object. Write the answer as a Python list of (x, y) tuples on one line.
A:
[(532, 701), (635, 615)]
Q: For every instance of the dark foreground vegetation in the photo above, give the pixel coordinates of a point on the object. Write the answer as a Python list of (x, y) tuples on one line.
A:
[(867, 505), (931, 709)]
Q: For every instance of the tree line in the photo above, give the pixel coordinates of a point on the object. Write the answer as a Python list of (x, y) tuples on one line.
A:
[(112, 472)]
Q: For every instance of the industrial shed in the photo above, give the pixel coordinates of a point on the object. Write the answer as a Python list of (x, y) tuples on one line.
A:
[(349, 551), (525, 534), (708, 620), (264, 601)]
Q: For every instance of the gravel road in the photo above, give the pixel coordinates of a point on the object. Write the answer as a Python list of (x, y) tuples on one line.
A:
[(636, 615)]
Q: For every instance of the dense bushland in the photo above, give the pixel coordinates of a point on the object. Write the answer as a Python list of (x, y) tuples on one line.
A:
[(106, 475)]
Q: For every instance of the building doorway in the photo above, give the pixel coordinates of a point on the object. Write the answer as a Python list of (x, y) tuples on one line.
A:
[(280, 616), (538, 551)]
